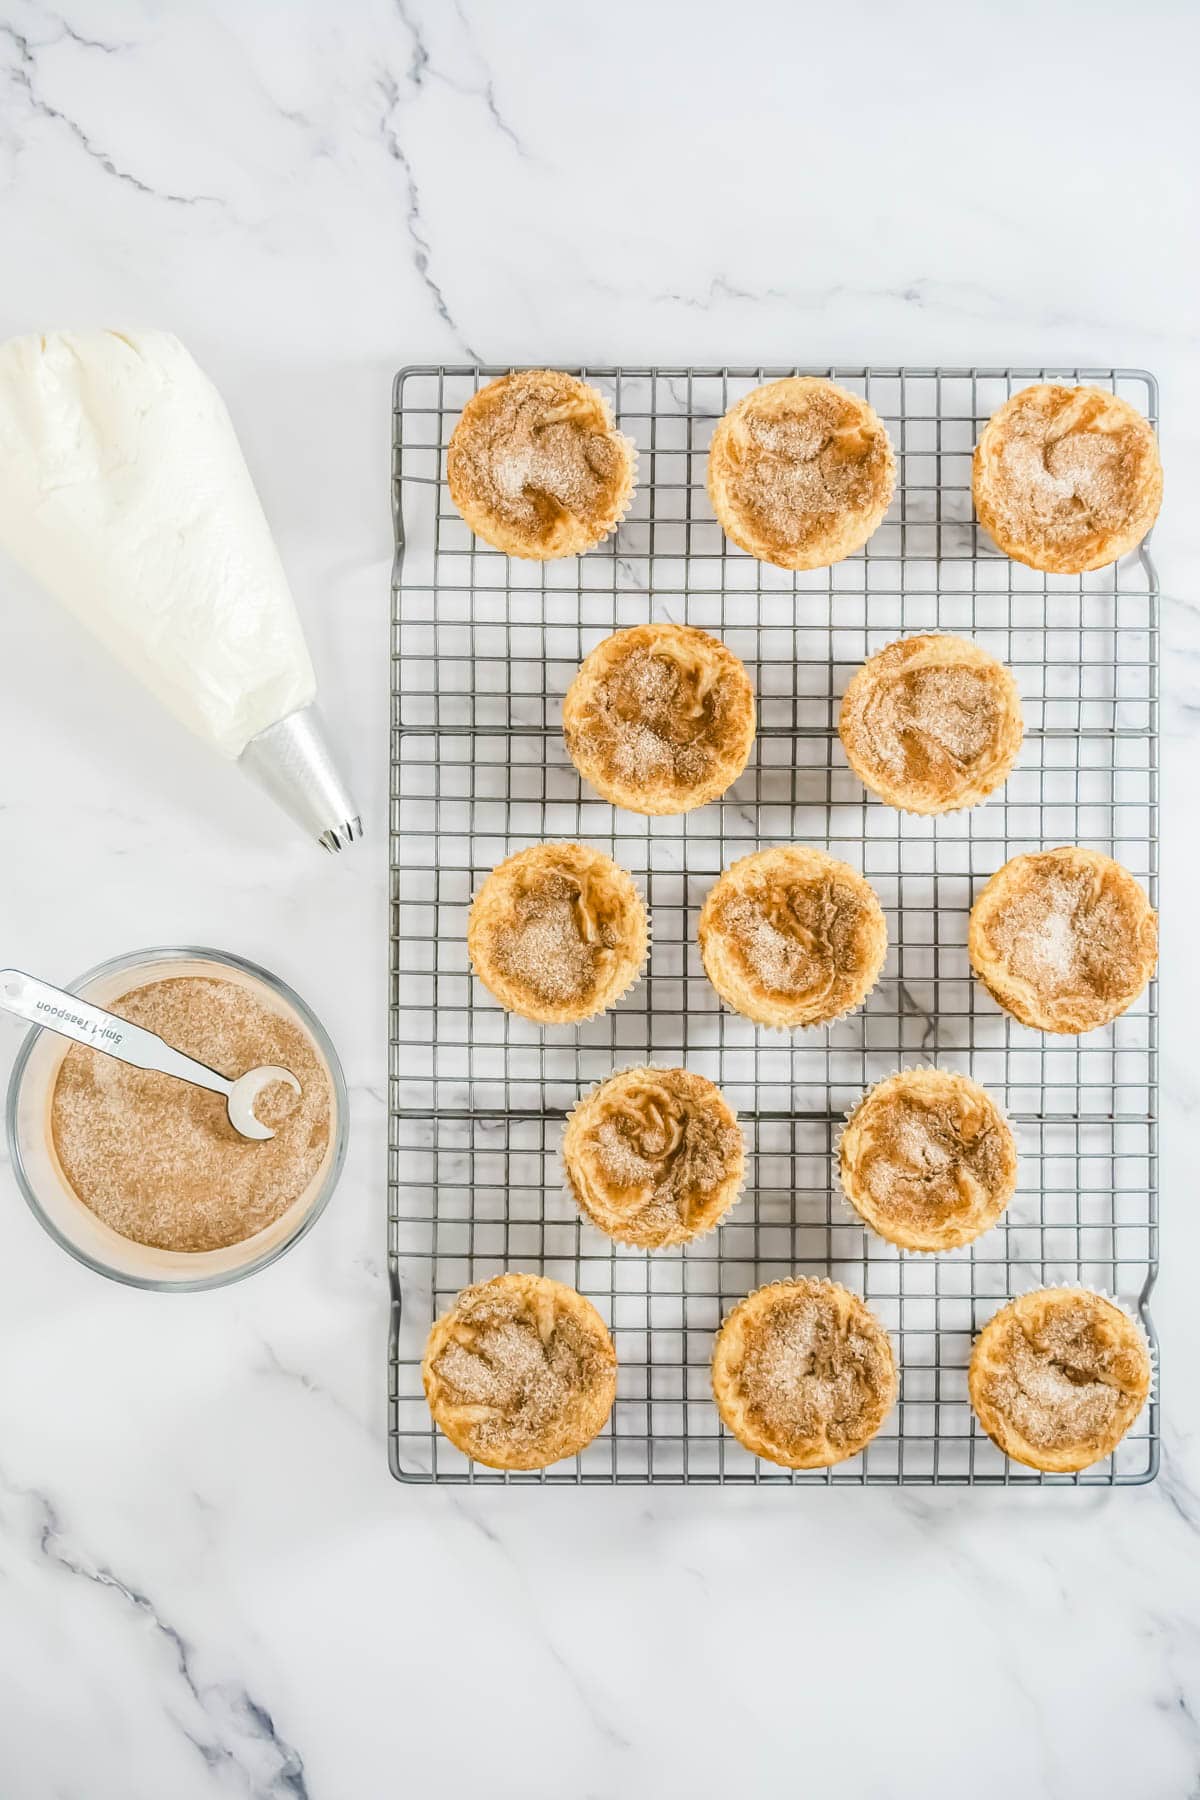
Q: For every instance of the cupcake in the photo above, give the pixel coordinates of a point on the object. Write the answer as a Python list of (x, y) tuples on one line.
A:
[(1067, 479), (931, 724), (660, 718), (800, 472), (558, 933), (537, 467), (1065, 940), (1058, 1377), (792, 936), (654, 1156), (927, 1160), (520, 1372), (803, 1373)]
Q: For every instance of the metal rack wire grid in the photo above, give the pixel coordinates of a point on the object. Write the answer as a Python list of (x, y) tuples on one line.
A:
[(483, 649)]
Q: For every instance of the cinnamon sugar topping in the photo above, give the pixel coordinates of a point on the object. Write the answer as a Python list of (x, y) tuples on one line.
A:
[(557, 932), (801, 938), (536, 465), (521, 1372), (1067, 479), (922, 1156), (800, 472), (1063, 931), (931, 723), (556, 946), (928, 1159), (1064, 1370), (1056, 466), (654, 1156), (807, 1374), (660, 717), (158, 1159), (805, 466), (933, 716), (803, 1373)]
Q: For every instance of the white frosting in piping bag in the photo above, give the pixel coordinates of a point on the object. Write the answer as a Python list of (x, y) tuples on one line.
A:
[(123, 490)]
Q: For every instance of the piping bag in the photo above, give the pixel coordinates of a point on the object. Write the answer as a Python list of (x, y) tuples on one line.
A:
[(123, 490)]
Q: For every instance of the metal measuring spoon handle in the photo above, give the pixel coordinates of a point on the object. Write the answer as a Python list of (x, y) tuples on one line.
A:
[(40, 1004)]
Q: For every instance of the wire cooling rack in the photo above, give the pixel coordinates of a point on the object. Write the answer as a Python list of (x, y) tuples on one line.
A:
[(483, 649)]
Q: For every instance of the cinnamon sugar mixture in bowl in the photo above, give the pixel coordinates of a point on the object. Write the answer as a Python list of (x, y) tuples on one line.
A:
[(142, 1176)]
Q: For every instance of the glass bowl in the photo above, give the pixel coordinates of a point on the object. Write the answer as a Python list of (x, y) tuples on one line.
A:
[(75, 1226)]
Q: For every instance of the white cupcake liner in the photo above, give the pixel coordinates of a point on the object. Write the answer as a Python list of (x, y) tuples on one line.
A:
[(854, 1217), (585, 1215), (619, 517)]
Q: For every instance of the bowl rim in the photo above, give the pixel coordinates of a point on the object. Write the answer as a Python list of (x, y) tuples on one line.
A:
[(134, 959)]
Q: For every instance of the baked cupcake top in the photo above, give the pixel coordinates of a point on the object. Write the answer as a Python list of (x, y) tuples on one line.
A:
[(803, 1373), (1064, 939), (1067, 479), (537, 467), (557, 933), (1058, 1377), (931, 724), (927, 1160), (654, 1156), (660, 718), (520, 1372), (800, 472), (791, 936)]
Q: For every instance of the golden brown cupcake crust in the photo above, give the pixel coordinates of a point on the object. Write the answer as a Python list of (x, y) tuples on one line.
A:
[(803, 1373), (800, 472), (791, 936), (931, 724), (660, 718), (1065, 940), (1067, 479), (520, 1372), (654, 1156), (557, 933), (1058, 1377), (927, 1159), (537, 467)]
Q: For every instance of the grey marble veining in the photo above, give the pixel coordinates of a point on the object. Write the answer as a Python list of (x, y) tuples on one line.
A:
[(208, 1583)]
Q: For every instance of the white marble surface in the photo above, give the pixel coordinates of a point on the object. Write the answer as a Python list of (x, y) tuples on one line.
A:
[(208, 1583)]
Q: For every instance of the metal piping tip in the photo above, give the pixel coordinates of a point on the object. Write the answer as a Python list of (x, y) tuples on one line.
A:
[(293, 761), (347, 833)]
